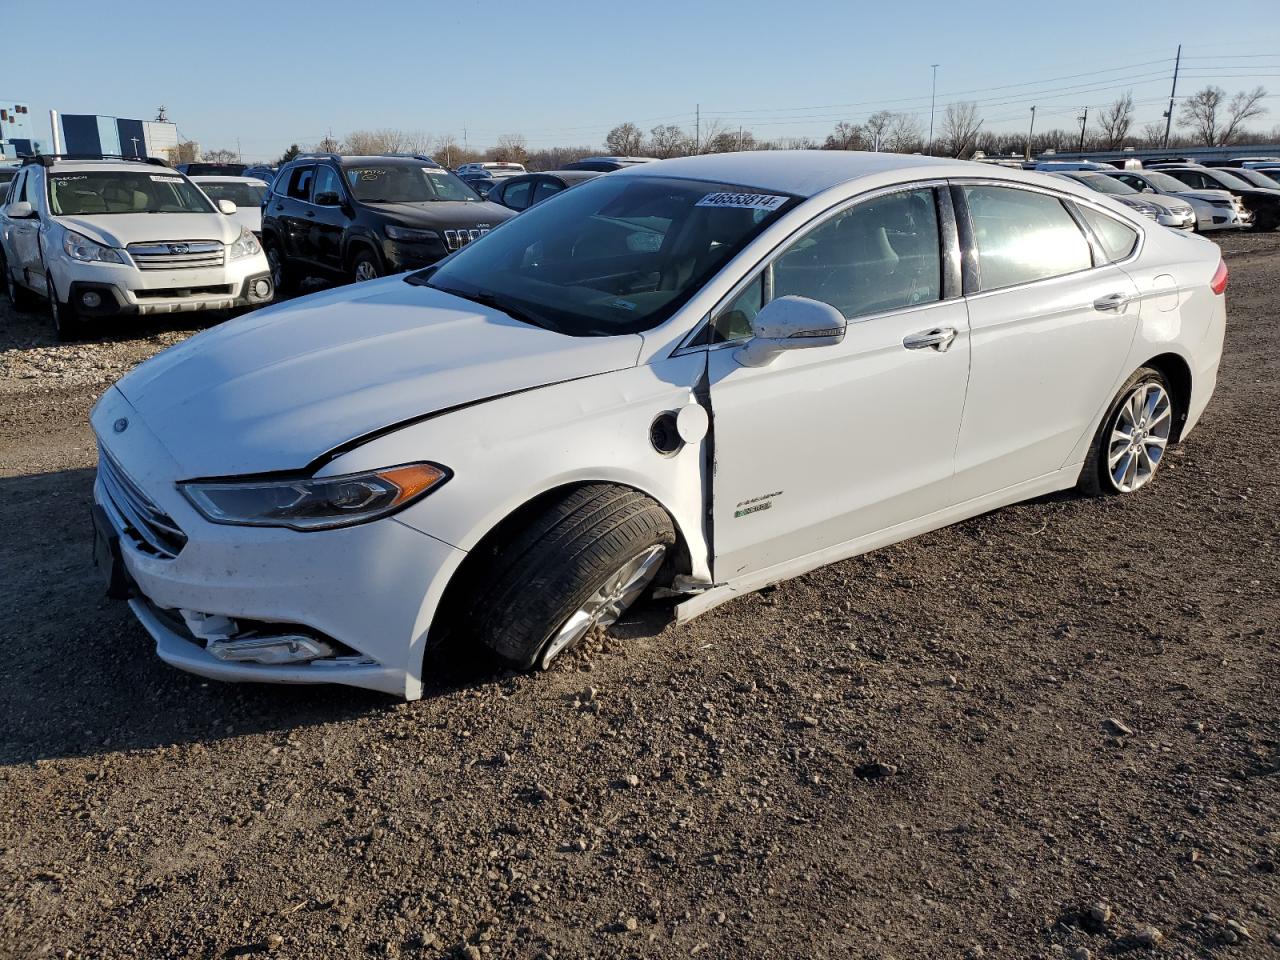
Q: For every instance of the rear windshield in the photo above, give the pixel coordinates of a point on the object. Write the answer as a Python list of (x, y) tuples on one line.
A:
[(215, 169), (406, 183), (241, 194), (1104, 184), (94, 192)]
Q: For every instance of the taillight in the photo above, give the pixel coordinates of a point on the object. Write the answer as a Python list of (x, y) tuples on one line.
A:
[(1219, 281)]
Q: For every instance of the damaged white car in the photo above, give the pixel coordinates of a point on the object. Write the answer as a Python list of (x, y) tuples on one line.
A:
[(706, 375)]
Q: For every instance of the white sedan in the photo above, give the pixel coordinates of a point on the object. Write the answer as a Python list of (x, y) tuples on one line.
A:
[(705, 375)]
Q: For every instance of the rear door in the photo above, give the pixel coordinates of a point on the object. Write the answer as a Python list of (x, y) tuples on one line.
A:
[(828, 445), (1051, 323), (24, 235)]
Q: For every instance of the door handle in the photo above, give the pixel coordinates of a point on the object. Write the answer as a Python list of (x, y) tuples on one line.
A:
[(1112, 302), (939, 338), (311, 214), (279, 206)]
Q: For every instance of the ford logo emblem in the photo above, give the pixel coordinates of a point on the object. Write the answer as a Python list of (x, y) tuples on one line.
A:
[(121, 425), (179, 248)]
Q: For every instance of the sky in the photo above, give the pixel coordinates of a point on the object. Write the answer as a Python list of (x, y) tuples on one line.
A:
[(264, 75)]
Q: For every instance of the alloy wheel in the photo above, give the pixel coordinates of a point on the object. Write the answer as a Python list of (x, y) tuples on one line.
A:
[(1139, 436), (366, 270), (276, 265), (603, 608)]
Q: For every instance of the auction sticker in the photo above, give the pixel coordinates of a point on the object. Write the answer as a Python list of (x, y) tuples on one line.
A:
[(742, 201), (155, 179)]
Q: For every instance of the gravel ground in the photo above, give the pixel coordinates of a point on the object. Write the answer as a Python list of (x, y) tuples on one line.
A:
[(1051, 731)]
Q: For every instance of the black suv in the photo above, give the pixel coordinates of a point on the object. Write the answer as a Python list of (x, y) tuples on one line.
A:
[(356, 218)]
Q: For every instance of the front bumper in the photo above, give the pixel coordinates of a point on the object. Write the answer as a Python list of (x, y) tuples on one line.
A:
[(1178, 220), (1222, 218), (122, 290), (372, 588)]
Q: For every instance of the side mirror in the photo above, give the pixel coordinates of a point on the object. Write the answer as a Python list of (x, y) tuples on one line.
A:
[(791, 323), (328, 199), (227, 207), (21, 210)]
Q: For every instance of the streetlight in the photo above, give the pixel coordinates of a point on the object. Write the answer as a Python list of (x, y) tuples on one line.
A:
[(933, 98)]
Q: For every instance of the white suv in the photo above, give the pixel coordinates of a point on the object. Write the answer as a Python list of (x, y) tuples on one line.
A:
[(104, 238)]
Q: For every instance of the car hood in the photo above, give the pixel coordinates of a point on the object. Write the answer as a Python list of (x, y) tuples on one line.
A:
[(445, 215), (277, 389), (122, 229), (1201, 194), (1165, 202)]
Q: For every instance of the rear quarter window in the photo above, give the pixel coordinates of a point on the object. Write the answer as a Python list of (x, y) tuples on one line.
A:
[(1117, 239)]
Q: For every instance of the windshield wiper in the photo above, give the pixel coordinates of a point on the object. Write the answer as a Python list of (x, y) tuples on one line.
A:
[(499, 303)]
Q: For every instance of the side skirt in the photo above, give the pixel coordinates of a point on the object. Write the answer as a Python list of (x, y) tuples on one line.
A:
[(1060, 480)]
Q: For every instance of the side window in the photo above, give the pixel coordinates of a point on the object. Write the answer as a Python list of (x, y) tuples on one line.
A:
[(547, 187), (880, 255), (328, 182), (1190, 178), (1023, 236), (1136, 182), (1117, 239), (280, 186), (516, 195), (15, 189), (300, 182), (734, 321)]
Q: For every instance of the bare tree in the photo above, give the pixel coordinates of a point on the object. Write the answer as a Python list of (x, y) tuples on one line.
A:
[(624, 140), (219, 156), (184, 152), (1243, 106), (905, 134), (712, 131), (1152, 134), (668, 140), (960, 125), (1214, 120), (386, 140), (512, 148), (1115, 121), (327, 144), (845, 136), (554, 158)]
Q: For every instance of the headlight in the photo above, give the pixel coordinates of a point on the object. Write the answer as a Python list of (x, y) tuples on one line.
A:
[(80, 247), (246, 246), (316, 503), (409, 233)]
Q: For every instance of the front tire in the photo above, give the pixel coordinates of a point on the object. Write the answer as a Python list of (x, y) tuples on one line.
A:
[(282, 276), (1133, 438), (19, 296), (67, 323), (577, 564), (1266, 221), (365, 266)]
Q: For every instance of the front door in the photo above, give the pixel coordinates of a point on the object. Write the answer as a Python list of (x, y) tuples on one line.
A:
[(327, 220), (828, 445)]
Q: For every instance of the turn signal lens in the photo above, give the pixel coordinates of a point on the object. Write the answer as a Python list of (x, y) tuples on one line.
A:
[(1219, 281)]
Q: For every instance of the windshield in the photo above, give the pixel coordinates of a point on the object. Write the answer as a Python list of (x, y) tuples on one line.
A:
[(1162, 181), (123, 191), (241, 194), (615, 255), (1104, 184), (1230, 181), (405, 183), (1257, 178)]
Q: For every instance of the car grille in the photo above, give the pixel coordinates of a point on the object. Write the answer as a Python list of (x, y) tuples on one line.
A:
[(179, 255), (453, 239), (150, 528)]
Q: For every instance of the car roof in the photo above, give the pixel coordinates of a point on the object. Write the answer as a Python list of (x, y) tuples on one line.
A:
[(142, 166), (809, 172), (219, 179), (571, 174)]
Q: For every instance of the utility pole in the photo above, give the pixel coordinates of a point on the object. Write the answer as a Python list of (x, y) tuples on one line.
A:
[(1031, 130), (933, 100), (1084, 122), (1173, 92), (239, 152), (697, 128)]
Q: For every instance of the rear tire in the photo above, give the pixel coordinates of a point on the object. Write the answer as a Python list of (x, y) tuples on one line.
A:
[(67, 323), (575, 565), (1133, 437), (1266, 221)]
